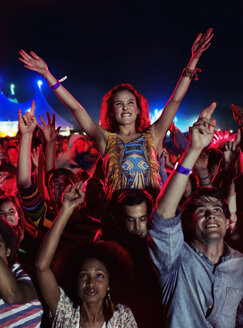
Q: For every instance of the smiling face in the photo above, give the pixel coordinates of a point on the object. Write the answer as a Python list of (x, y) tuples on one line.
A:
[(125, 107), (136, 219), (9, 212), (209, 221), (93, 281)]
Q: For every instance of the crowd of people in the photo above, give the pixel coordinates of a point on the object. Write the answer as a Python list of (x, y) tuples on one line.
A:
[(113, 227)]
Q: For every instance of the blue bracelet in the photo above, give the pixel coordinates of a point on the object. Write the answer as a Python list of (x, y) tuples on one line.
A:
[(55, 86), (181, 169)]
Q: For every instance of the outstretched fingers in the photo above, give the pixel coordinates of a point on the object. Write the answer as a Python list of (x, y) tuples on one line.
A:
[(53, 119), (20, 117), (198, 38), (48, 118), (42, 120), (32, 108), (34, 55), (25, 55)]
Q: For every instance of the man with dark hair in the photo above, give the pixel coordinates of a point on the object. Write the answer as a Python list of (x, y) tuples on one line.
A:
[(201, 279), (19, 305), (136, 207), (127, 215), (126, 222)]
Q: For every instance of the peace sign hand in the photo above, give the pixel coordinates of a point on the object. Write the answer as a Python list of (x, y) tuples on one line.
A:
[(49, 130)]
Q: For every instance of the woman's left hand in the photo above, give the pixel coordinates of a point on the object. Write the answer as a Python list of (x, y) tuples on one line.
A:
[(202, 43)]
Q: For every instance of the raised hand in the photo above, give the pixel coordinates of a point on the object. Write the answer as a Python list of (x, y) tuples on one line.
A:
[(49, 130), (202, 43), (27, 122), (231, 152), (33, 62), (73, 196), (202, 131)]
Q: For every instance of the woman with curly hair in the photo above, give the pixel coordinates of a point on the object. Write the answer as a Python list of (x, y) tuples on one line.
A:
[(125, 137), (93, 276)]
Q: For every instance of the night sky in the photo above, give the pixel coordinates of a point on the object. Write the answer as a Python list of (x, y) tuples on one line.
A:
[(99, 44)]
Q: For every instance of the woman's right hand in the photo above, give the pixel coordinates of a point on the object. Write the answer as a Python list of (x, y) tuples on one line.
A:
[(33, 62)]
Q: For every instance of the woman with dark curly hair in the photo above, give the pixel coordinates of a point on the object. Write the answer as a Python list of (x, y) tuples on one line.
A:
[(125, 137), (91, 304)]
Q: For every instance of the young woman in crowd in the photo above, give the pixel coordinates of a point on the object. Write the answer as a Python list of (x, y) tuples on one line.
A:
[(11, 211), (92, 306), (125, 134)]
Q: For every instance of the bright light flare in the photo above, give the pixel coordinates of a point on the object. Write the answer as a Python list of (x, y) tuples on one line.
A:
[(39, 82)]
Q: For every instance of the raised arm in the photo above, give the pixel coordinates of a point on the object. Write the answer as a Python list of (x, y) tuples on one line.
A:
[(33, 62), (201, 136), (160, 127), (50, 134), (229, 170), (73, 197), (27, 125)]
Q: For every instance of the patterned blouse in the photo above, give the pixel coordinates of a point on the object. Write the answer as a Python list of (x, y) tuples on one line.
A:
[(67, 316), (131, 165)]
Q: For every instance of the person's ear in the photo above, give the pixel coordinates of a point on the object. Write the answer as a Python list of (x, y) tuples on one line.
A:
[(8, 252), (227, 223)]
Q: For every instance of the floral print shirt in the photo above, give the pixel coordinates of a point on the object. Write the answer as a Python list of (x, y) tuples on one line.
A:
[(67, 316)]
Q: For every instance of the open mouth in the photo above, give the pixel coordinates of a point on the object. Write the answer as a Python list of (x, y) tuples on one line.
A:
[(90, 292)]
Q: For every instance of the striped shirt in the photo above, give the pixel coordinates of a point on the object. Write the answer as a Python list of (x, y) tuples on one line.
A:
[(27, 315)]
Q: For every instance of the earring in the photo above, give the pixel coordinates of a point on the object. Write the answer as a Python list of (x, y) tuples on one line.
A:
[(109, 302)]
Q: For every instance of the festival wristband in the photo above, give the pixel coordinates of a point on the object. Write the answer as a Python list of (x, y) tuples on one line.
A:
[(181, 169)]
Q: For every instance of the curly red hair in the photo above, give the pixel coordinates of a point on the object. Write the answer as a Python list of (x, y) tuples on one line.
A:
[(107, 118)]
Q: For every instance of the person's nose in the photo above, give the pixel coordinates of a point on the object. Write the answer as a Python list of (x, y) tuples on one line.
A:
[(137, 225), (90, 282), (209, 215), (124, 107)]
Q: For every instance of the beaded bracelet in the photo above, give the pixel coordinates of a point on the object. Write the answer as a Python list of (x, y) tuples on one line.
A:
[(181, 169), (189, 73)]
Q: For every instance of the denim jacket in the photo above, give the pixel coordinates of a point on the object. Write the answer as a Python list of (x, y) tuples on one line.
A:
[(195, 292)]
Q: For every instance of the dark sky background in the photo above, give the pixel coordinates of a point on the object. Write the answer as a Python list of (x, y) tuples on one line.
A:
[(99, 44)]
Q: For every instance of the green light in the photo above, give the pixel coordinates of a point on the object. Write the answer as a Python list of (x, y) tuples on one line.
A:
[(12, 86)]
